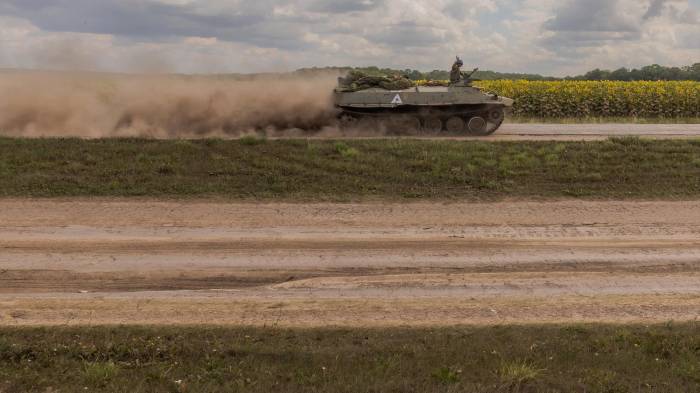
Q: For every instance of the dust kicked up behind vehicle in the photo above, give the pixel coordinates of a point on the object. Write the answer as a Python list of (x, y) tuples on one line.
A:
[(399, 106)]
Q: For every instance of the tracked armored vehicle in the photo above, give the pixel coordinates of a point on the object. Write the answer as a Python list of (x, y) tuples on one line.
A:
[(458, 108)]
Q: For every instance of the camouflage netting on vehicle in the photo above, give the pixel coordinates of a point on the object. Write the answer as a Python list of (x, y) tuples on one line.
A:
[(433, 83), (357, 80)]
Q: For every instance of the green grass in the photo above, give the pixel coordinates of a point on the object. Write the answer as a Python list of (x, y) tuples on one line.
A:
[(515, 374), (585, 358), (324, 170)]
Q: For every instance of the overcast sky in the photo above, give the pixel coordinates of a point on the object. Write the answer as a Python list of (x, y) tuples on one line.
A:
[(556, 37)]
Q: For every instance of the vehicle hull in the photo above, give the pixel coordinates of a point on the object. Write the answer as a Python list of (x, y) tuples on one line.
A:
[(456, 109)]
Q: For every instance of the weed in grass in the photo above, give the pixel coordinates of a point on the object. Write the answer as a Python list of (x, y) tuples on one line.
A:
[(340, 146), (99, 374), (628, 140), (184, 143), (488, 184), (515, 374), (559, 148), (593, 177), (603, 381), (505, 168), (446, 375), (312, 150), (470, 169), (385, 364), (252, 140), (688, 368), (166, 170), (5, 348), (623, 337), (552, 160), (306, 378), (350, 153), (484, 162), (659, 346), (345, 150), (212, 142), (157, 376), (524, 160), (216, 156)]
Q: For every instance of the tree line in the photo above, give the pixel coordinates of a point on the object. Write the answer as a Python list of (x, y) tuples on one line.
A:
[(652, 72)]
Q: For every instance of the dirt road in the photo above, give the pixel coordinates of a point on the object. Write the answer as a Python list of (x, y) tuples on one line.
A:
[(515, 131), (118, 261)]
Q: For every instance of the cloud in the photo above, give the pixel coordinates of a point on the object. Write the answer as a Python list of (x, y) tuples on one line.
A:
[(143, 20), (591, 16), (410, 34), (546, 36), (590, 24), (344, 6), (676, 10), (610, 34), (655, 9), (459, 9)]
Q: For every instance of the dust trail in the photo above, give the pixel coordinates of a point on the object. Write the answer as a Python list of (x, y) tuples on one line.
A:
[(55, 104)]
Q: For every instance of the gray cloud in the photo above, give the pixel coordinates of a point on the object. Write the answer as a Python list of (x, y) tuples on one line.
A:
[(409, 34), (672, 9), (690, 16), (591, 16), (589, 23), (123, 17), (572, 41), (344, 6), (457, 9), (273, 35), (614, 33), (254, 24), (149, 20), (655, 9)]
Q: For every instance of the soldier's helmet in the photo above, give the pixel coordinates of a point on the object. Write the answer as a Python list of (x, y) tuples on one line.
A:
[(459, 62)]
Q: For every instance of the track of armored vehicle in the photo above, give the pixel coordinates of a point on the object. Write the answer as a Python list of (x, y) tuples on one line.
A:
[(457, 109)]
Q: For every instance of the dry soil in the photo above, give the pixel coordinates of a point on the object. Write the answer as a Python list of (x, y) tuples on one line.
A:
[(169, 262)]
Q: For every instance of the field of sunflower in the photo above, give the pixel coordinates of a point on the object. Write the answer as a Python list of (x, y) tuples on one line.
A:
[(576, 99)]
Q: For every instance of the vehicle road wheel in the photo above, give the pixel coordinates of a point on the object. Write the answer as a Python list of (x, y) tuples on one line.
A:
[(494, 119), (477, 125), (496, 116), (432, 125), (348, 121), (368, 124), (455, 125), (404, 125)]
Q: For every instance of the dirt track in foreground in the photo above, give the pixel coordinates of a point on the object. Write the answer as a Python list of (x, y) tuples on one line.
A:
[(117, 261), (525, 131)]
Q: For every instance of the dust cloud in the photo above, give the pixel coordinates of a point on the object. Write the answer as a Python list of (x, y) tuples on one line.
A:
[(92, 105)]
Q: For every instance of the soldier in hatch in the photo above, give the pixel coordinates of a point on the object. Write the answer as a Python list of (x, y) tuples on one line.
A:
[(456, 73)]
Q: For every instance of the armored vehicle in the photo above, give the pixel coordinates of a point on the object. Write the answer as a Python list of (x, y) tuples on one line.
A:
[(457, 108)]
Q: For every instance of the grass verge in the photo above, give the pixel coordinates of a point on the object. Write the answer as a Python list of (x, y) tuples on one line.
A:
[(318, 170), (590, 358), (603, 120)]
